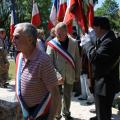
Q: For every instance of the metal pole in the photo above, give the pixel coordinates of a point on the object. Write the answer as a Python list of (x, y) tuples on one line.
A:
[(14, 13)]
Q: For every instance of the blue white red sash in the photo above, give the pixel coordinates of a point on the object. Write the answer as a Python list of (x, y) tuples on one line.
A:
[(42, 108), (54, 43)]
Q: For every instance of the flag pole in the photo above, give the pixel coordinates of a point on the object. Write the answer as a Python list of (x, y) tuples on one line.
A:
[(14, 13)]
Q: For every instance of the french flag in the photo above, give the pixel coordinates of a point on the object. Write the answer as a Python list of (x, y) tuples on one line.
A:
[(13, 21), (68, 18), (90, 13), (68, 15), (12, 26), (53, 13), (62, 10), (36, 21)]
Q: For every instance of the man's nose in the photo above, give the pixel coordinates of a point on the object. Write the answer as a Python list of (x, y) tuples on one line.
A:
[(13, 39)]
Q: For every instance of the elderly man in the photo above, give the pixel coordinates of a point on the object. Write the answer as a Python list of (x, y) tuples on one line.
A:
[(36, 81), (64, 52)]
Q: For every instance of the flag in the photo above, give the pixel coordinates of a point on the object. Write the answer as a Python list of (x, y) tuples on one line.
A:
[(54, 11), (68, 15), (12, 24), (13, 21), (79, 12), (75, 10), (90, 13), (61, 10), (68, 18), (50, 25), (36, 21)]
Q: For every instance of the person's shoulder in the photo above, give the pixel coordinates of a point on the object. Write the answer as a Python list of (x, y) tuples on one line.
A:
[(43, 56), (72, 40)]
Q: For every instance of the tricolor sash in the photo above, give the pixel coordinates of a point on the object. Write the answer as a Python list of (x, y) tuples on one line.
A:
[(54, 43), (42, 108)]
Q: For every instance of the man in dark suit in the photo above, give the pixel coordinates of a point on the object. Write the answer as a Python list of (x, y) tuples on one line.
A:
[(103, 57)]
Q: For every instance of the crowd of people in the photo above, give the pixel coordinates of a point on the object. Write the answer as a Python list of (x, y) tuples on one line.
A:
[(50, 69)]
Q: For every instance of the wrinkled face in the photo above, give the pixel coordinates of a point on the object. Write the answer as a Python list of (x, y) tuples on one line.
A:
[(20, 39), (61, 34)]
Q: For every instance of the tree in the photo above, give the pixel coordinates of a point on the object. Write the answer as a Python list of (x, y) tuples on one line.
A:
[(110, 9), (4, 14), (24, 12)]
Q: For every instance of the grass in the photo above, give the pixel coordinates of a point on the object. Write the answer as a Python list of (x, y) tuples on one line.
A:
[(12, 70)]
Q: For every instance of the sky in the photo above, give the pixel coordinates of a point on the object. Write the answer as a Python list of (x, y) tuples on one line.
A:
[(101, 1)]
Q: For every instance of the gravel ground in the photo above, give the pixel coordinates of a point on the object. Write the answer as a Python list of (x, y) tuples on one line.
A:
[(80, 110)]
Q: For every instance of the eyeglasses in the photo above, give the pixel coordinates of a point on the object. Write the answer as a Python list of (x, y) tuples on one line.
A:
[(61, 34)]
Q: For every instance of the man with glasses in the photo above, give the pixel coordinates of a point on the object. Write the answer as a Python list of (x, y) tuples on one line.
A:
[(64, 52)]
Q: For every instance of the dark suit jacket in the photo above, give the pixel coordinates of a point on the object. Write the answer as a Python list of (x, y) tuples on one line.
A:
[(103, 57)]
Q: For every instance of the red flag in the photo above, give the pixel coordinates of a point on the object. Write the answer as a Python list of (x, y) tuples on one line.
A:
[(75, 10), (78, 10), (61, 10), (68, 15), (50, 25), (90, 13), (35, 15), (68, 18), (12, 24)]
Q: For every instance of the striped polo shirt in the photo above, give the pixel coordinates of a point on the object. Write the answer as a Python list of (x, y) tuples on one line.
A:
[(37, 78)]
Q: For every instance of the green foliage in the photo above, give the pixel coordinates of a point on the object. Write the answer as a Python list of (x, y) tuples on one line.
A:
[(110, 9), (24, 12), (4, 13)]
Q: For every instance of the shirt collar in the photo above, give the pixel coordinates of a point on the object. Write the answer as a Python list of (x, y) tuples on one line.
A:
[(101, 38), (34, 54)]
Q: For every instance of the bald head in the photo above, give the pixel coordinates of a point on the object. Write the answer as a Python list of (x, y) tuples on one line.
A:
[(61, 31), (61, 25)]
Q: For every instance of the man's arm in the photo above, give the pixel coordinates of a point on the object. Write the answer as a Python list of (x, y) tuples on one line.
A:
[(51, 82), (50, 51), (77, 63), (55, 100)]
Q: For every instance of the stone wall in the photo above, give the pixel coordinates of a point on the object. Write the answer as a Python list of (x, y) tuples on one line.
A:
[(9, 107)]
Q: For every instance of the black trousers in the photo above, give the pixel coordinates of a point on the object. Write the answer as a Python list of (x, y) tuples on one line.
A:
[(104, 106)]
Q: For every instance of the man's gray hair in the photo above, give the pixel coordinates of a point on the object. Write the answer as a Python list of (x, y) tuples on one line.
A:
[(30, 30), (61, 25)]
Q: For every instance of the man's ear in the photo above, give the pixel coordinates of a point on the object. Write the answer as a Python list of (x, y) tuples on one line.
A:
[(30, 39)]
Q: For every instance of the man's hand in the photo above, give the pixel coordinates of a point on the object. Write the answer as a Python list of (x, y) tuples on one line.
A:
[(85, 39), (92, 34), (55, 101), (60, 82)]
